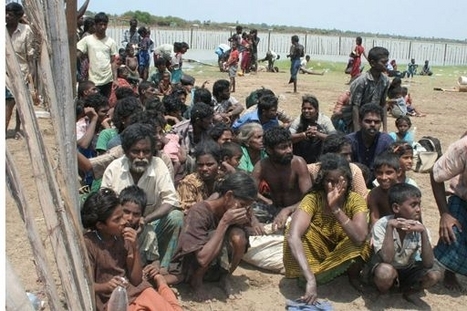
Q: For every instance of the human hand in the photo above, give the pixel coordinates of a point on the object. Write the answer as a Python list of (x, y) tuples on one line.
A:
[(407, 224), (226, 167), (90, 112), (130, 236), (151, 271), (235, 216), (311, 131), (114, 282), (311, 293), (106, 122), (280, 219), (141, 225), (334, 192), (446, 233), (256, 228)]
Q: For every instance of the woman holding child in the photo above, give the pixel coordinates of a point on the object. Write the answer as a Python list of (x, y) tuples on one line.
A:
[(327, 234)]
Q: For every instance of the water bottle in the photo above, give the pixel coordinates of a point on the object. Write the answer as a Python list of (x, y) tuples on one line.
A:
[(118, 300), (37, 304)]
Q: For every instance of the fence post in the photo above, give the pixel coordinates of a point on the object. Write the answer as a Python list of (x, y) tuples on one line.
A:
[(269, 38), (445, 53), (306, 40)]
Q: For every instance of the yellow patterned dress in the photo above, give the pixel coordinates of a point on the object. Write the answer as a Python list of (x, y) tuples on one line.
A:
[(327, 247)]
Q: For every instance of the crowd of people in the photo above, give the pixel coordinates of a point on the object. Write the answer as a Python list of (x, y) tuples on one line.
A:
[(178, 190)]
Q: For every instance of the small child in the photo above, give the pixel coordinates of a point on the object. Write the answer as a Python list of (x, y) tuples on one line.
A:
[(232, 65), (231, 153), (411, 110), (161, 68), (405, 153), (403, 125), (397, 104), (143, 56), (165, 87), (114, 254), (387, 171), (398, 240), (131, 61)]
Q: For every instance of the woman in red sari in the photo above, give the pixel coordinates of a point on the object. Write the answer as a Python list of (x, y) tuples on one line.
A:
[(357, 53)]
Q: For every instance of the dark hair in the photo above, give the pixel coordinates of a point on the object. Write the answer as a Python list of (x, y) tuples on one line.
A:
[(208, 147), (101, 18), (239, 28), (295, 38), (377, 53), (96, 101), (200, 111), (202, 95), (334, 143), (148, 118), (83, 86), (123, 109), (88, 24), (275, 136), (359, 40), (187, 80), (98, 207), (134, 194), (155, 104), (144, 85), (331, 162), (218, 129), (267, 102), (241, 184), (124, 92), (400, 148), (229, 149), (16, 8), (366, 172), (370, 108), (403, 118), (399, 193), (159, 62), (79, 108), (304, 123), (136, 132), (219, 86), (142, 31), (387, 158), (172, 104)]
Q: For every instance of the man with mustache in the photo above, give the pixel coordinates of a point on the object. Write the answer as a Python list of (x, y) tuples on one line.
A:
[(140, 167), (368, 141)]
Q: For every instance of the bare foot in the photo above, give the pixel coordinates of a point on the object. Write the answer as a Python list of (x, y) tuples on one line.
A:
[(416, 300), (227, 286), (451, 282)]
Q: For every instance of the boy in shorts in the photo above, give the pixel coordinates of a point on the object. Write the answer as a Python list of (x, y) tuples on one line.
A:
[(232, 65), (398, 240)]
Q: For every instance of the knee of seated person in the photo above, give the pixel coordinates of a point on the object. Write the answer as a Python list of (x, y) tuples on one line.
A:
[(175, 217), (385, 272), (237, 237), (432, 277)]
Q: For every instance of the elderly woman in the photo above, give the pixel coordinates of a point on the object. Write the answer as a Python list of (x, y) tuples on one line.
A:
[(327, 234), (309, 130), (250, 138)]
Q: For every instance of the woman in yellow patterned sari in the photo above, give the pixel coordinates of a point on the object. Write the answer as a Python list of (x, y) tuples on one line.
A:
[(327, 234)]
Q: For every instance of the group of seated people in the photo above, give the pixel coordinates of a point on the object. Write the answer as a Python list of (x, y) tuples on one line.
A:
[(177, 193)]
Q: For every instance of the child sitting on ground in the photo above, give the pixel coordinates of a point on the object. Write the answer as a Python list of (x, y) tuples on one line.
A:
[(403, 125), (114, 254), (165, 87), (398, 240), (387, 170), (411, 110), (231, 154)]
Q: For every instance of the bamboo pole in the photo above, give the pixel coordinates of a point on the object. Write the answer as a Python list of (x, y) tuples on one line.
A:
[(15, 295), (60, 217), (42, 266)]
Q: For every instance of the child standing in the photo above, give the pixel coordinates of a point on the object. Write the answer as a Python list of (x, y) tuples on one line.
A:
[(397, 242), (114, 255), (232, 65), (387, 171), (143, 58), (131, 61)]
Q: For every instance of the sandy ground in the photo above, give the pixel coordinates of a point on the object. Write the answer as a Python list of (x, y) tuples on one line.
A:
[(261, 290)]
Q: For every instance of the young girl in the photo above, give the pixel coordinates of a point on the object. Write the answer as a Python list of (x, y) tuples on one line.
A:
[(114, 257), (165, 87), (131, 61), (403, 125), (143, 65)]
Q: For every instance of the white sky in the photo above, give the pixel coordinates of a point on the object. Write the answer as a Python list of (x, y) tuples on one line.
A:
[(419, 18)]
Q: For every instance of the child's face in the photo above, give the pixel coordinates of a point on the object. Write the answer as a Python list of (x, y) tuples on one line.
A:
[(386, 176), (161, 140), (103, 113), (207, 167), (162, 68), (166, 78), (131, 51), (406, 161), (379, 65), (225, 137), (403, 127), (132, 214), (234, 161), (114, 225), (409, 209)]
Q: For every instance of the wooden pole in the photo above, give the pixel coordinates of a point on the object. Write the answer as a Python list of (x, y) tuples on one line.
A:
[(42, 266), (60, 216)]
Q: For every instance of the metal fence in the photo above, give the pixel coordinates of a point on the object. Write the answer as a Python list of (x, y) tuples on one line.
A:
[(324, 47)]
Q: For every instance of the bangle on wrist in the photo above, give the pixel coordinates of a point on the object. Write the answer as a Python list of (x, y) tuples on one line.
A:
[(336, 211), (346, 222)]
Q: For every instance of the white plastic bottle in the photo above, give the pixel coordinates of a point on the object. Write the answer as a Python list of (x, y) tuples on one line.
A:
[(118, 300)]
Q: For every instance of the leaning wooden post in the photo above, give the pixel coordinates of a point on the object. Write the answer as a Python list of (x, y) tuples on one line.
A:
[(60, 217), (42, 266)]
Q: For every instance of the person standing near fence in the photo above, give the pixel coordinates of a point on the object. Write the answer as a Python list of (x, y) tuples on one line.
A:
[(296, 52), (356, 54), (254, 49)]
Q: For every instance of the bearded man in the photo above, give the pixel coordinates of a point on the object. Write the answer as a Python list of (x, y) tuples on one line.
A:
[(140, 167)]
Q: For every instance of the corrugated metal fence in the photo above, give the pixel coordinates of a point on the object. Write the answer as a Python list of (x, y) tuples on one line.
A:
[(324, 47)]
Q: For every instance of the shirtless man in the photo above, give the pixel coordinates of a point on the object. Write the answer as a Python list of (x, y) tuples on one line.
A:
[(286, 175)]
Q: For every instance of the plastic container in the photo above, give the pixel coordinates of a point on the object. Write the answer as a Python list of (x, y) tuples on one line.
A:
[(118, 300), (37, 304), (462, 80)]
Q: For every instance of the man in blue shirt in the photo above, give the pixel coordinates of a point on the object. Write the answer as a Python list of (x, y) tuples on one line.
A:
[(265, 114), (368, 142)]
